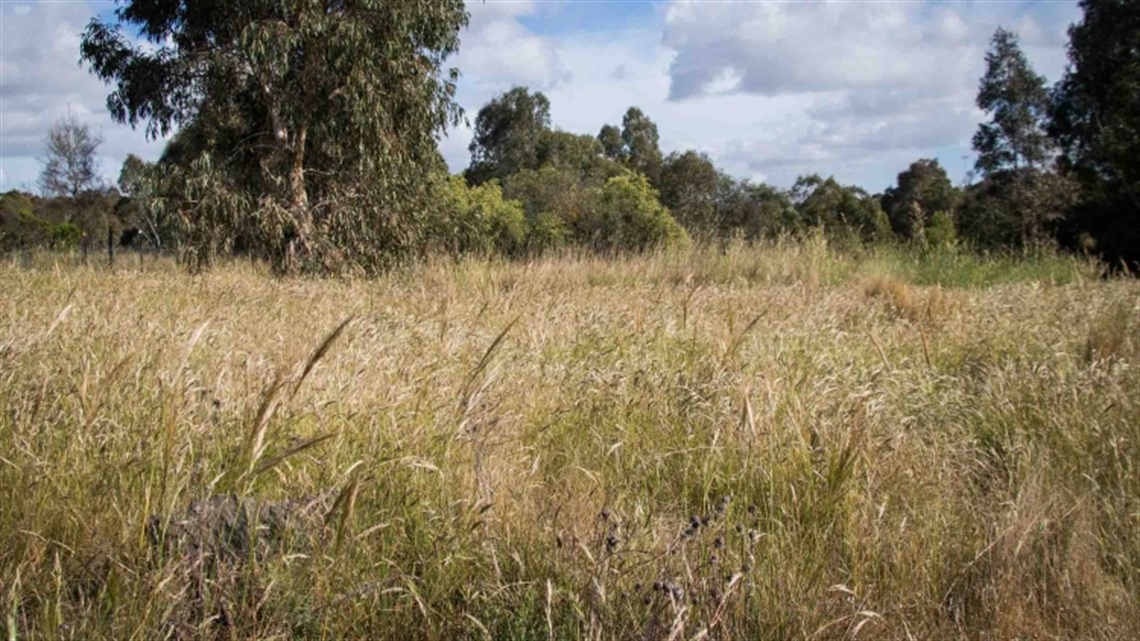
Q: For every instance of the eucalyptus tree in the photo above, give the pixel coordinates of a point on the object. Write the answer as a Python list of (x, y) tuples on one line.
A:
[(307, 126), (1022, 200), (509, 135), (1096, 120)]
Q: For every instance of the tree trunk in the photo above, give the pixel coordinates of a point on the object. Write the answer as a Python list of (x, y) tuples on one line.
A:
[(299, 247), (298, 196)]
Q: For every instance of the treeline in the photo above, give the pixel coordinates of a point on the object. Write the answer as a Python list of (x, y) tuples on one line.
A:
[(285, 151), (87, 215), (617, 191)]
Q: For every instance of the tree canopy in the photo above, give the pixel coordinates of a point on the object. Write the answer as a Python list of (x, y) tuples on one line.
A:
[(1017, 100), (923, 189), (1096, 120), (70, 165), (280, 99), (509, 131)]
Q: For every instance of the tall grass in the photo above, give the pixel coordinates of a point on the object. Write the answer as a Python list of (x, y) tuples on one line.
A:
[(777, 442)]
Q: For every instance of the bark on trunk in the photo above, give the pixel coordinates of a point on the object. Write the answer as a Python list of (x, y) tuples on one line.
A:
[(300, 246), (299, 197)]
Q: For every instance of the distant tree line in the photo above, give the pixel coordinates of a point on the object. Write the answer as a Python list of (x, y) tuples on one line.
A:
[(284, 151)]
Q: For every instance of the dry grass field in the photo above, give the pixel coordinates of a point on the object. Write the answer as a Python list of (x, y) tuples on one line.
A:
[(780, 442)]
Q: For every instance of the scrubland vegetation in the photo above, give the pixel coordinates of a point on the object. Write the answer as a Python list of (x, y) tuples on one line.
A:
[(584, 389), (783, 441)]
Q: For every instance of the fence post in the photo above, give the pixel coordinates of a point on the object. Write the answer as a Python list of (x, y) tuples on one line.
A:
[(110, 246)]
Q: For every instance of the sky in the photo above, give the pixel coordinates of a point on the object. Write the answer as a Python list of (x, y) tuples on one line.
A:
[(770, 90)]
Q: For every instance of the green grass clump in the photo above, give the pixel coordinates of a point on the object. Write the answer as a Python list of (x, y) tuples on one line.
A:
[(783, 441)]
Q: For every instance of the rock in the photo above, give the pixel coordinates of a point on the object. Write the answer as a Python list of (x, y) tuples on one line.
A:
[(231, 528)]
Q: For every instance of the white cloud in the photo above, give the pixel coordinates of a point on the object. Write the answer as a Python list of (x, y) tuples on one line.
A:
[(496, 48), (41, 80), (880, 80), (769, 90)]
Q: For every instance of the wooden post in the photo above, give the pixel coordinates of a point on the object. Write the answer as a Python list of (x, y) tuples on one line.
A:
[(110, 246)]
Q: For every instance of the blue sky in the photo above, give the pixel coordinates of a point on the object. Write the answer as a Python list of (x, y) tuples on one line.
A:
[(769, 89)]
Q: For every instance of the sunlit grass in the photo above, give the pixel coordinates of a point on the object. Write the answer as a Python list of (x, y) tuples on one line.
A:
[(873, 444)]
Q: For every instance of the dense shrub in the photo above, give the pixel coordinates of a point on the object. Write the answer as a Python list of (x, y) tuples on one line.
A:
[(940, 231), (478, 220), (625, 215), (22, 228), (844, 212)]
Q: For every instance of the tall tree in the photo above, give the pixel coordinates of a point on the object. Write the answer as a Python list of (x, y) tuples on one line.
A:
[(509, 131), (689, 188), (753, 210), (922, 190), (1096, 119), (839, 209), (579, 154), (1022, 201), (640, 137), (1018, 102), (286, 95), (70, 165), (612, 144)]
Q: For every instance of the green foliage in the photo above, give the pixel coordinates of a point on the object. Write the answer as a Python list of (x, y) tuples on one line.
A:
[(940, 231), (641, 140), (1019, 201), (689, 188), (625, 215), (1016, 208), (612, 144), (142, 182), (478, 220), (561, 192), (64, 235), (635, 145), (21, 228), (1018, 102), (279, 110), (710, 204), (509, 132), (924, 184), (546, 232), (578, 154), (839, 210), (1096, 120), (754, 210)]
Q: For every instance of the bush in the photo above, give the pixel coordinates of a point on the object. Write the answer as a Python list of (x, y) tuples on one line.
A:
[(21, 228), (625, 215), (940, 232), (546, 231), (64, 235), (560, 192), (479, 220)]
